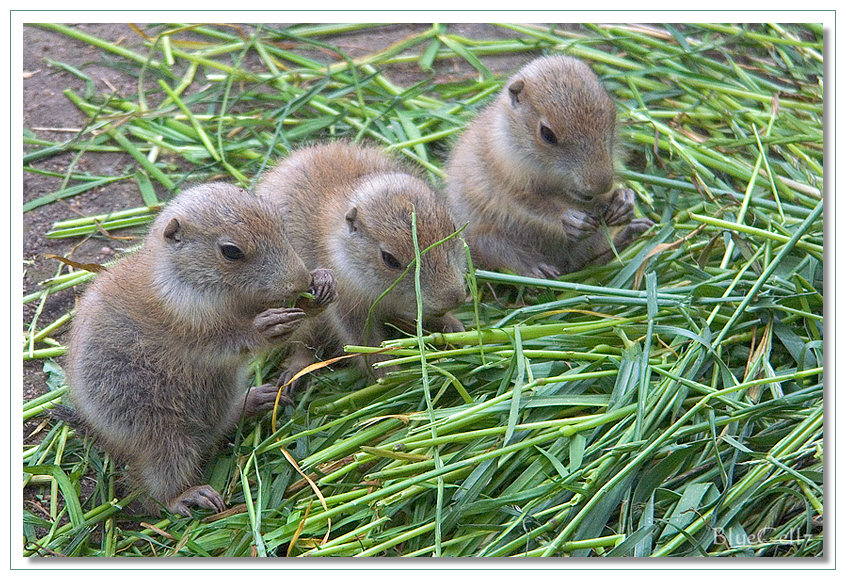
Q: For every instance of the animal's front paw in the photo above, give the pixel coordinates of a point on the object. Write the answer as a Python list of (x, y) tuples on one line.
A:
[(204, 496), (620, 209), (323, 287), (542, 270), (288, 387), (632, 232), (578, 224), (445, 323), (261, 399), (277, 324)]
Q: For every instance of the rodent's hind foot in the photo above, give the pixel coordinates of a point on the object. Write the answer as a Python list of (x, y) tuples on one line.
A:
[(204, 496), (578, 224), (620, 210), (277, 324)]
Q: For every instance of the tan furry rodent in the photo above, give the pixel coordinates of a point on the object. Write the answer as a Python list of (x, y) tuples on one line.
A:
[(533, 173), (157, 360), (348, 208)]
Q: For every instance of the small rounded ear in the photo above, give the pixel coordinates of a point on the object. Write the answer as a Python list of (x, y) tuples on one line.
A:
[(173, 231), (515, 89), (350, 217)]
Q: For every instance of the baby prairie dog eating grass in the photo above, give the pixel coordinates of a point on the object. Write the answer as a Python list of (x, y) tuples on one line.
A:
[(533, 174), (348, 208), (158, 355)]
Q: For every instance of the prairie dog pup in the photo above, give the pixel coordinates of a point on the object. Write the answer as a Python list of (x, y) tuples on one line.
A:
[(348, 208), (157, 360), (533, 173)]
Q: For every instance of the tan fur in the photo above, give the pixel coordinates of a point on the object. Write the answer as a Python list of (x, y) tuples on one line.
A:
[(158, 355), (534, 207), (316, 188)]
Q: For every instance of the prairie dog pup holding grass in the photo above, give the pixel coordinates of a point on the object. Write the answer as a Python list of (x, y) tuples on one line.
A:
[(348, 208), (158, 355), (533, 174)]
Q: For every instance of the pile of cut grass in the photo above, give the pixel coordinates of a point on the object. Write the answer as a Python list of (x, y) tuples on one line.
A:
[(668, 403)]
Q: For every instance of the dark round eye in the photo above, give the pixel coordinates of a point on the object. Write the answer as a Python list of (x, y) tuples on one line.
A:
[(391, 261), (231, 252), (547, 135)]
